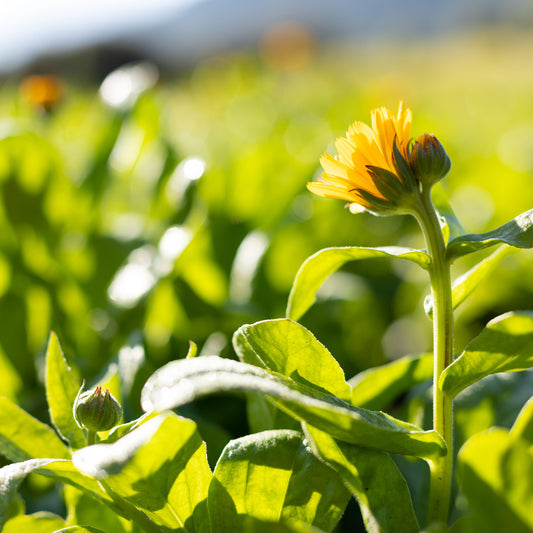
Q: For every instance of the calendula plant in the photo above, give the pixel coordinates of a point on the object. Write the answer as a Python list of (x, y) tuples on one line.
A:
[(317, 439)]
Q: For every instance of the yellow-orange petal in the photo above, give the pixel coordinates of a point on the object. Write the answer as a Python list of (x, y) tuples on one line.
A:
[(346, 150), (334, 166), (330, 191)]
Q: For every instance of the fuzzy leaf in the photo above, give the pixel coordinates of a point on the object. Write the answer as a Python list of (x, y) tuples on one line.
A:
[(11, 476), (160, 467), (61, 391), (377, 387), (374, 480), (273, 476), (181, 382), (23, 437), (505, 345), (319, 266), (518, 233), (495, 472), (291, 350)]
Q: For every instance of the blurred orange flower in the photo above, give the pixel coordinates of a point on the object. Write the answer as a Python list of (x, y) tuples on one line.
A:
[(43, 91)]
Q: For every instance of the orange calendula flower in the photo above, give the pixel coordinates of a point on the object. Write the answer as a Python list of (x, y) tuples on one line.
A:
[(372, 170)]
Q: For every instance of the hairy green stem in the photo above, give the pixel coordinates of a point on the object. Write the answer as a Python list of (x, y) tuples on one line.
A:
[(441, 291)]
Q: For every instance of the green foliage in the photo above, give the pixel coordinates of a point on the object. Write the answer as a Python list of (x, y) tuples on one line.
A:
[(518, 232), (319, 266), (373, 479), (291, 350), (180, 382), (273, 476), (465, 284), (111, 240), (61, 391), (376, 388), (160, 467), (496, 474), (23, 437), (505, 345)]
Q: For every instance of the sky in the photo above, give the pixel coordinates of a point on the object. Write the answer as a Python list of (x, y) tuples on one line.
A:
[(187, 30), (29, 27)]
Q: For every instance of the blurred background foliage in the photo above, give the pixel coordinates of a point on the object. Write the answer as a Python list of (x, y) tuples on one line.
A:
[(139, 215)]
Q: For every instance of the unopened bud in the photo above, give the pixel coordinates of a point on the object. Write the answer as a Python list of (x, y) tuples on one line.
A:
[(428, 160), (97, 410)]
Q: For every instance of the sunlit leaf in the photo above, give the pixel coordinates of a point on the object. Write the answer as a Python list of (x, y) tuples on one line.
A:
[(11, 476), (80, 529), (293, 351), (23, 437), (518, 232), (319, 266), (377, 387), (61, 391), (374, 480), (41, 522), (273, 476), (505, 345), (495, 473), (181, 382), (83, 508), (160, 467), (523, 426), (465, 284)]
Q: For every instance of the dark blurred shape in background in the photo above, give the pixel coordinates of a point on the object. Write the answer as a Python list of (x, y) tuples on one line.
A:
[(89, 39)]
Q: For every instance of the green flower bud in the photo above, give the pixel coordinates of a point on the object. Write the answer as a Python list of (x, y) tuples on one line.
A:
[(95, 410), (428, 160)]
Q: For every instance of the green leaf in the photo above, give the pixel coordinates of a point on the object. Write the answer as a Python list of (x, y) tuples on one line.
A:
[(83, 508), (273, 476), (377, 387), (80, 529), (291, 350), (40, 522), (10, 382), (375, 481), (23, 437), (250, 524), (66, 472), (518, 233), (505, 345), (523, 426), (11, 476), (181, 382), (495, 472), (160, 467), (61, 391), (319, 266), (454, 228), (465, 284)]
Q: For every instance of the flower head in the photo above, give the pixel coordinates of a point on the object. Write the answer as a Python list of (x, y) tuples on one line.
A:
[(97, 410), (371, 171), (428, 160)]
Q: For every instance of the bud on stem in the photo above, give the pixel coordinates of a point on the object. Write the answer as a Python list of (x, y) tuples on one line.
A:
[(97, 410)]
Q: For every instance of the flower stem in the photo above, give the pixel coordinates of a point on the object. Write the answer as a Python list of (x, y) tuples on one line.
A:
[(91, 437), (441, 291)]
